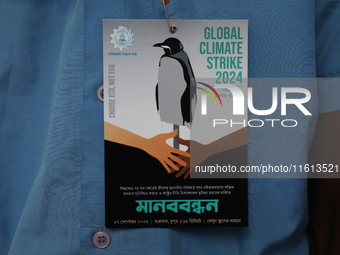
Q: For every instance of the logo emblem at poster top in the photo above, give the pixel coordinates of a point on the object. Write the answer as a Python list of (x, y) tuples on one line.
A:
[(122, 38)]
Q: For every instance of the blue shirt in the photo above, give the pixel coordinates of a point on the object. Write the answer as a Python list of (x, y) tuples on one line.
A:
[(51, 133)]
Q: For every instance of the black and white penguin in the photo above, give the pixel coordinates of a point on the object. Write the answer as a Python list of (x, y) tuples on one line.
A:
[(176, 88)]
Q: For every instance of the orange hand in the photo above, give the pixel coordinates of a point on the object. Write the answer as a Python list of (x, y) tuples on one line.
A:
[(158, 148)]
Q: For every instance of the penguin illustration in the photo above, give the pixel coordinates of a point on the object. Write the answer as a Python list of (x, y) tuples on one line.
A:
[(176, 88)]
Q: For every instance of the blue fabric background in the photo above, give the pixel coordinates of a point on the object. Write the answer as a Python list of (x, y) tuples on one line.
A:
[(51, 137)]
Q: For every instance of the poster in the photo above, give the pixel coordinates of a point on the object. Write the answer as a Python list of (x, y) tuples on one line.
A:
[(172, 122)]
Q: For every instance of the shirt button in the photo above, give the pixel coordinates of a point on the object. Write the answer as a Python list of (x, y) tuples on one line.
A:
[(100, 93), (101, 239)]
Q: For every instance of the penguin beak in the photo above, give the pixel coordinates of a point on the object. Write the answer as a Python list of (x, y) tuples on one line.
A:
[(158, 45), (164, 46)]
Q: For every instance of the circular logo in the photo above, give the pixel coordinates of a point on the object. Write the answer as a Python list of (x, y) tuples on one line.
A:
[(122, 38)]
